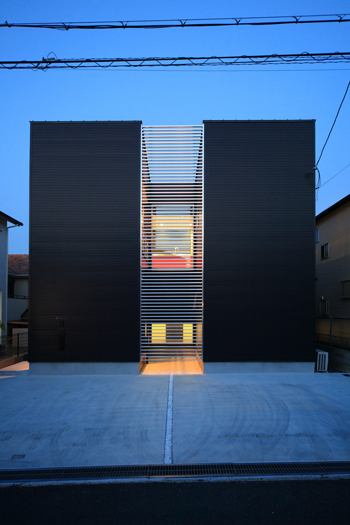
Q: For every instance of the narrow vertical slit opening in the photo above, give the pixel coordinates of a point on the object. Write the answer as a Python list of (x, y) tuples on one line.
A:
[(171, 244)]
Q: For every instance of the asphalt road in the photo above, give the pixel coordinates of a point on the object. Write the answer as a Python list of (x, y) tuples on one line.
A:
[(304, 502)]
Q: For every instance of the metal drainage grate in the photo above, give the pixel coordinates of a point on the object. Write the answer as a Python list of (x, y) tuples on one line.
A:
[(175, 471)]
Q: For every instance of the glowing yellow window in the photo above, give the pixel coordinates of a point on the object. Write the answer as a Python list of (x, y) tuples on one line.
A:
[(188, 333), (158, 333)]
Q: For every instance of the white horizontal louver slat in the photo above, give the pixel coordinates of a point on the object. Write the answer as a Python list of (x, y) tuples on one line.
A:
[(171, 243)]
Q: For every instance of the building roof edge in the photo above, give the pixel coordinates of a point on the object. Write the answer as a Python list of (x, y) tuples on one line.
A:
[(10, 219), (334, 207)]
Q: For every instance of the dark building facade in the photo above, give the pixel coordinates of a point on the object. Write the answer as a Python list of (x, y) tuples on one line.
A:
[(84, 242), (244, 234), (259, 270)]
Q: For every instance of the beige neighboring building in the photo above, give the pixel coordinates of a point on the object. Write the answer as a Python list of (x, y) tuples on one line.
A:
[(333, 260), (333, 283)]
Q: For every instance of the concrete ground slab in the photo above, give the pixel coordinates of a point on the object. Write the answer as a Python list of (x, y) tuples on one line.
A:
[(81, 420), (258, 368), (84, 368), (261, 418), (98, 420)]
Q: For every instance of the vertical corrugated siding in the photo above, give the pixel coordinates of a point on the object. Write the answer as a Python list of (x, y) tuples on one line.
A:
[(85, 240), (259, 267)]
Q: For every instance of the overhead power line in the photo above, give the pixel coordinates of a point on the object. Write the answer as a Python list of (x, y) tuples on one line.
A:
[(329, 134), (334, 176), (52, 62), (319, 185), (186, 22)]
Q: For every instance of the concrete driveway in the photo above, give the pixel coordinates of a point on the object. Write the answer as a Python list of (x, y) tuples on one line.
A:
[(95, 420)]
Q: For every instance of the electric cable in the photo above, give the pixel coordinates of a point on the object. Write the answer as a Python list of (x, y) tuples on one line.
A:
[(334, 175), (52, 62), (185, 22), (319, 185), (329, 134)]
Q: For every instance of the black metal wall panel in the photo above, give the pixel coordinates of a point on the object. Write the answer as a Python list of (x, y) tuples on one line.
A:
[(259, 218), (85, 241)]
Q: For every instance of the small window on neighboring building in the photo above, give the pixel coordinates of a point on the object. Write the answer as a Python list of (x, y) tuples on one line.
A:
[(324, 251), (11, 286), (316, 235), (345, 289)]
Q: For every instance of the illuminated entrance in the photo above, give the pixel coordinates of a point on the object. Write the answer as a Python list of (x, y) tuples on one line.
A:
[(172, 242)]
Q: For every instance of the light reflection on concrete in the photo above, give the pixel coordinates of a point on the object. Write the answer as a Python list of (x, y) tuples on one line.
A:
[(172, 368), (18, 367)]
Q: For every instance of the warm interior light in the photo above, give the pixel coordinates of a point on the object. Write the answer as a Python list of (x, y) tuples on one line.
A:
[(162, 333), (158, 333), (165, 254), (188, 333)]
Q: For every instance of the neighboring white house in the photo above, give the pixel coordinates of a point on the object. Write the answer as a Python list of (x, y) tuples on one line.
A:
[(18, 273), (4, 220)]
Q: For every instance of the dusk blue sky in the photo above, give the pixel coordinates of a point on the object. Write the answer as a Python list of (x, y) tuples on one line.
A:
[(169, 96)]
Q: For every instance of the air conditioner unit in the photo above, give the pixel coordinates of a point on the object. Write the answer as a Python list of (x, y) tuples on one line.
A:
[(322, 361)]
